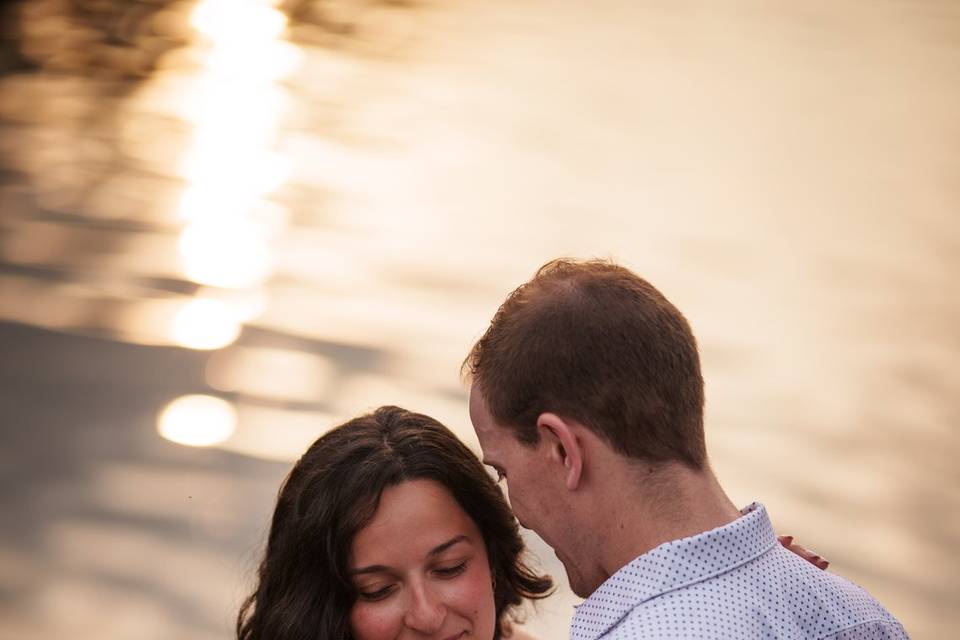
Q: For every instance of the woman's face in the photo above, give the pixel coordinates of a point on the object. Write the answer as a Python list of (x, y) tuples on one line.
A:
[(420, 569)]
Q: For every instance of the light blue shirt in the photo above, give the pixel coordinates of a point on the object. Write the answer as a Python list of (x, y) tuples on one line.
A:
[(732, 582)]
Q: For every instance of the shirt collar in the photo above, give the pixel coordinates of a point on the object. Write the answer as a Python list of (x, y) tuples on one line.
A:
[(668, 567)]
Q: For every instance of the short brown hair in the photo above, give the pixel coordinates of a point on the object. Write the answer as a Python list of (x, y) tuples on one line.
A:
[(594, 342)]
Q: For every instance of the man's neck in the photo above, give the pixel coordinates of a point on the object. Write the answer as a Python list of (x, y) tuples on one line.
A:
[(671, 503)]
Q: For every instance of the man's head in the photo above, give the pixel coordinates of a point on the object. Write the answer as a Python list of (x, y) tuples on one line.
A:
[(594, 342), (592, 345)]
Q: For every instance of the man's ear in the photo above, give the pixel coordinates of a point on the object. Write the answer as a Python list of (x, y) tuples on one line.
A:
[(564, 446)]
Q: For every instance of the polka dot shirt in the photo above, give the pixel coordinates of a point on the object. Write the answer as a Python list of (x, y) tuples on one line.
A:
[(732, 582)]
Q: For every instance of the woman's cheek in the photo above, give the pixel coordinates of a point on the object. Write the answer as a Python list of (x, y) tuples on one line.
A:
[(373, 621), (478, 586), (472, 596)]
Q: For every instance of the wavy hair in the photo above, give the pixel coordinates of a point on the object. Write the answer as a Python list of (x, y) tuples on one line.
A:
[(303, 589)]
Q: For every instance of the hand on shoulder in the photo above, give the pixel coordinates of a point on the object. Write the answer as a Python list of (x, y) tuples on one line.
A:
[(806, 554)]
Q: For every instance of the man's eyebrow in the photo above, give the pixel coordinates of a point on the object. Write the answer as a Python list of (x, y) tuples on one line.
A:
[(437, 550)]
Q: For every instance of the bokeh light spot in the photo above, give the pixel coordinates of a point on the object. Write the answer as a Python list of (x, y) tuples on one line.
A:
[(205, 324), (197, 421)]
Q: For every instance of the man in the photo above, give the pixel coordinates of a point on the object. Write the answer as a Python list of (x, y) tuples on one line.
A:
[(587, 399)]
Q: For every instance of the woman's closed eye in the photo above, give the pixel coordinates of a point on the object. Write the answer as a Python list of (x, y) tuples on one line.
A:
[(375, 594), (452, 571), (372, 593)]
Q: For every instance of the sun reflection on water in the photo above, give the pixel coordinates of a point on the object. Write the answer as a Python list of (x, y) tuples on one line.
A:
[(230, 167), (236, 22), (229, 254), (197, 421), (205, 324)]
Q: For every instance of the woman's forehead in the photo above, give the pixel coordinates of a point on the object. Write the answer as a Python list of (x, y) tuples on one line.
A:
[(412, 519)]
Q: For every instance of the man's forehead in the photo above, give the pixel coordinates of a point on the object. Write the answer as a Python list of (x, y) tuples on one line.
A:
[(488, 435), (479, 415)]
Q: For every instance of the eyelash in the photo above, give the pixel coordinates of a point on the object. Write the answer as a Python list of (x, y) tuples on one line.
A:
[(501, 476), (376, 595), (445, 572), (451, 572)]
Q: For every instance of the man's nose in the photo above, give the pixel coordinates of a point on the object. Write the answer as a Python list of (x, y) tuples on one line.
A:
[(425, 610)]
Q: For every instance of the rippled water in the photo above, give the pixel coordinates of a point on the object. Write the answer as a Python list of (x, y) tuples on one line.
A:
[(311, 209)]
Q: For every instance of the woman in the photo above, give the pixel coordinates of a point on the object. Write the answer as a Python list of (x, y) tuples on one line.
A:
[(387, 526)]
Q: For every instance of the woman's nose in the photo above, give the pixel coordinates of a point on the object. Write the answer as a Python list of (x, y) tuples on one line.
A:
[(425, 611)]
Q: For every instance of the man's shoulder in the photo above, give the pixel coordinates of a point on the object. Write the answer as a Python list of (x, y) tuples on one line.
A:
[(776, 592), (642, 626)]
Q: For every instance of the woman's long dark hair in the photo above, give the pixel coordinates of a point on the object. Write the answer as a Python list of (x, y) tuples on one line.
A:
[(304, 591)]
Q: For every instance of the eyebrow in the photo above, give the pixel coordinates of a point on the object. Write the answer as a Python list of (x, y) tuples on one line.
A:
[(437, 550)]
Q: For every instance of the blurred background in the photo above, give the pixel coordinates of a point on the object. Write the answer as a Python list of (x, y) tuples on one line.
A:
[(228, 225)]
